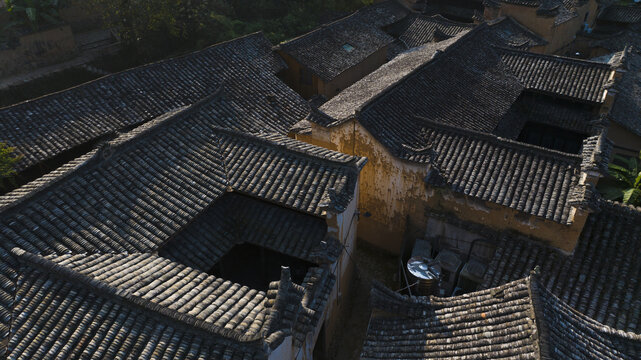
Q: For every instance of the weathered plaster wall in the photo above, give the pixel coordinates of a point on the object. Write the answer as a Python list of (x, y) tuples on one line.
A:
[(342, 226), (283, 351), (528, 17), (291, 77), (499, 217), (391, 191), (445, 235), (395, 195), (559, 36), (625, 142), (562, 35), (38, 49)]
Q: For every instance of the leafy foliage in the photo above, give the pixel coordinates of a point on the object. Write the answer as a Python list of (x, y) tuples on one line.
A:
[(624, 183), (34, 14), (8, 160), (153, 29)]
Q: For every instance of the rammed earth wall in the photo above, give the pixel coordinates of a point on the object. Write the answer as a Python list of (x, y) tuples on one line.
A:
[(395, 196)]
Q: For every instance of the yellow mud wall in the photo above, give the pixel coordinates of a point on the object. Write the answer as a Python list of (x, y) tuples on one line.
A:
[(625, 142), (391, 191), (559, 36), (528, 17), (395, 195), (499, 217), (291, 77), (353, 74), (343, 226)]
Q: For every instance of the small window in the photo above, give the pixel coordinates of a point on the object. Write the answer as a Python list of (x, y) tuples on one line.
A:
[(349, 48)]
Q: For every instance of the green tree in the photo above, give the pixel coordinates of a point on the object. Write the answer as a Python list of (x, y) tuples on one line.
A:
[(8, 160), (154, 29), (624, 183), (34, 14)]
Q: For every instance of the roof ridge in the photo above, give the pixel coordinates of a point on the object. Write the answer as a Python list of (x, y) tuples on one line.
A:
[(102, 152), (462, 38), (50, 267), (498, 140), (16, 197), (157, 124), (542, 333), (629, 209), (541, 293), (553, 57), (524, 28), (318, 28), (262, 138), (441, 19)]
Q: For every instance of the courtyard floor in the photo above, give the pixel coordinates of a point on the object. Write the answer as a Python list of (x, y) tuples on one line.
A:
[(371, 264)]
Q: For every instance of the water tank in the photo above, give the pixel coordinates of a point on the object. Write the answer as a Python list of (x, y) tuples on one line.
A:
[(426, 273)]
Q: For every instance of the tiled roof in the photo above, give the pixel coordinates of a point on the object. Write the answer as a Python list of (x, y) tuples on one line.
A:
[(45, 127), (335, 47), (345, 105), (621, 38), (290, 173), (600, 279), (518, 320), (416, 30), (144, 306), (420, 29), (466, 85), (626, 109), (57, 318), (235, 219), (559, 76), (561, 10), (166, 284), (527, 178), (517, 36), (444, 109), (461, 81), (480, 66), (621, 14), (139, 190), (486, 324), (382, 13), (546, 110)]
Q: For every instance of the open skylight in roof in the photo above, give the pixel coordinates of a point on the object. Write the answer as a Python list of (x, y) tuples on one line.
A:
[(349, 48)]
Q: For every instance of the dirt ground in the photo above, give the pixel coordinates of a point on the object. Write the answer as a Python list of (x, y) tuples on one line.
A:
[(371, 264)]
